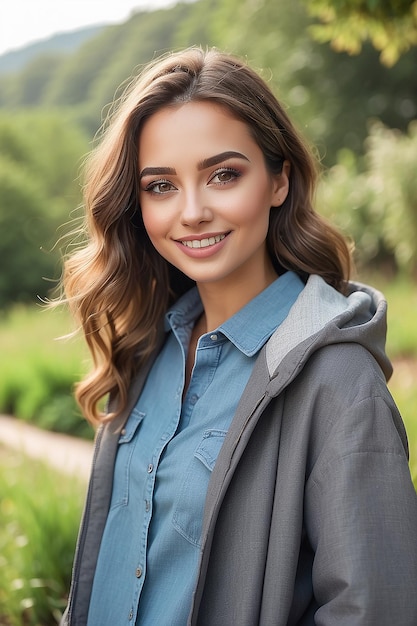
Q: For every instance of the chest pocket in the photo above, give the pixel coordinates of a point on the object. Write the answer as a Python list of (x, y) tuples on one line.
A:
[(189, 508), (126, 447)]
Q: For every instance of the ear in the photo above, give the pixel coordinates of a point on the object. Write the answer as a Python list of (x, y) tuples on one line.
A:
[(281, 185)]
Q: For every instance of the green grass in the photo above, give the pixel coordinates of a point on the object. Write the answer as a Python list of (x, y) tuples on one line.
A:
[(37, 378), (39, 518), (401, 295), (404, 391)]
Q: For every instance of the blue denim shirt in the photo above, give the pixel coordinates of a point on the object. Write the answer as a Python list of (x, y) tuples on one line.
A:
[(150, 549)]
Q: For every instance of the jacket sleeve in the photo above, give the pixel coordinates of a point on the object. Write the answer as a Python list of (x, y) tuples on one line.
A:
[(361, 518)]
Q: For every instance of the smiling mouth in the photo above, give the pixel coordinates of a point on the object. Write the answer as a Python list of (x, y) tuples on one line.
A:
[(203, 243)]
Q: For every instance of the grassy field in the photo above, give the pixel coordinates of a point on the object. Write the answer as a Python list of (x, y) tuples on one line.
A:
[(39, 518)]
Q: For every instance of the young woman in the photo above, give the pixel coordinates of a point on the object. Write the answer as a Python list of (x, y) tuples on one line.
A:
[(252, 465)]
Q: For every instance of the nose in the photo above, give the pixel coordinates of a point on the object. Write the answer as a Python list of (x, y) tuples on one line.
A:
[(194, 209)]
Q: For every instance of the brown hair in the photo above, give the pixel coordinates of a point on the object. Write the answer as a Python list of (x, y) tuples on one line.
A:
[(117, 285)]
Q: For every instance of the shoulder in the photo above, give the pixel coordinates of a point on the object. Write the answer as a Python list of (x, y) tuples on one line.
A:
[(340, 400), (333, 376), (347, 370)]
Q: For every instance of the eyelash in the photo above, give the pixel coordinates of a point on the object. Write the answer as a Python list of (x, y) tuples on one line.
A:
[(150, 188)]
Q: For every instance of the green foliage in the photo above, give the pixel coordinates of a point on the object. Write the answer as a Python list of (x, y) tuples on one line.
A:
[(23, 224), (391, 25), (330, 95), (375, 201), (39, 517), (37, 384), (77, 73), (40, 155), (318, 85), (392, 163), (35, 78), (401, 295), (88, 80)]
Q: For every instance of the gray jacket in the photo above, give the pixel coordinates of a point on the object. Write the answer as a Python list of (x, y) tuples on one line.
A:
[(311, 515)]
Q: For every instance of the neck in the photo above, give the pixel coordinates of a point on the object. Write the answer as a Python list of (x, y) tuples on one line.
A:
[(221, 300)]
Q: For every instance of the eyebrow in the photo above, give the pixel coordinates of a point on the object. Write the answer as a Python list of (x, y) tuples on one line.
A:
[(218, 158), (202, 165)]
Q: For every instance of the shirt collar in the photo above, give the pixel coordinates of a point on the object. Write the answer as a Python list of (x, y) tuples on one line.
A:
[(254, 324), (185, 311)]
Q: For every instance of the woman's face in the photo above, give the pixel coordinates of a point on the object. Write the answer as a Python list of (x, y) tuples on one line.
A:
[(206, 194)]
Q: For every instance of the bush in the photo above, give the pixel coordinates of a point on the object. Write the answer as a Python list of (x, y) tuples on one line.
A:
[(37, 384), (374, 200), (39, 518)]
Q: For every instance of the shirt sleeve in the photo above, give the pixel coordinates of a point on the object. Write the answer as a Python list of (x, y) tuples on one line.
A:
[(361, 518)]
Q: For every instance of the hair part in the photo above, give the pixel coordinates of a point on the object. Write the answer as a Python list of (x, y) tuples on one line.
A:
[(118, 286)]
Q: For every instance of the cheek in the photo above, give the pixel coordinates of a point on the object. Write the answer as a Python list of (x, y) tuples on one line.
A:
[(153, 223), (253, 209)]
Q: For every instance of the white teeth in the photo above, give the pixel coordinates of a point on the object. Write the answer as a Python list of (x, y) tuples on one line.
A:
[(203, 243)]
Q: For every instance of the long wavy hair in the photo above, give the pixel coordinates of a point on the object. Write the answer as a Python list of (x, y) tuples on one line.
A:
[(117, 284)]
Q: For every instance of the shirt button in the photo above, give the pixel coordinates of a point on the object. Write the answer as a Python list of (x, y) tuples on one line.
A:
[(213, 337), (150, 468), (147, 505), (123, 431), (131, 614), (138, 572), (193, 398)]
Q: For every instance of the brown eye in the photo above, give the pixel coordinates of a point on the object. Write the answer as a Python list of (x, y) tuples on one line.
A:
[(163, 187), (224, 176), (160, 187)]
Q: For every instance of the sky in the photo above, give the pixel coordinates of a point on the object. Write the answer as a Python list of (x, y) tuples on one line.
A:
[(25, 21)]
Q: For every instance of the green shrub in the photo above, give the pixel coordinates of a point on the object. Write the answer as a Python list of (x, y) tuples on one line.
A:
[(373, 200), (39, 518), (36, 384)]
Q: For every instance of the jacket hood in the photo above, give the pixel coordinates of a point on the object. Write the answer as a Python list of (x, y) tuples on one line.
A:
[(323, 316)]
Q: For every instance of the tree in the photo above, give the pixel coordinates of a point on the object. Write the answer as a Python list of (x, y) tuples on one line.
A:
[(391, 25), (26, 260), (40, 155), (330, 95)]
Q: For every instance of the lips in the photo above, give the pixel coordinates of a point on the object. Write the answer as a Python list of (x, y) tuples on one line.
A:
[(203, 243)]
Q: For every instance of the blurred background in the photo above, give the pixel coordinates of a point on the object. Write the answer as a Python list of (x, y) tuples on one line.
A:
[(346, 71)]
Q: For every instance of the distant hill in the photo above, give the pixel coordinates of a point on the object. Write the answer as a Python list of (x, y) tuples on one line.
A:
[(65, 43), (86, 78)]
